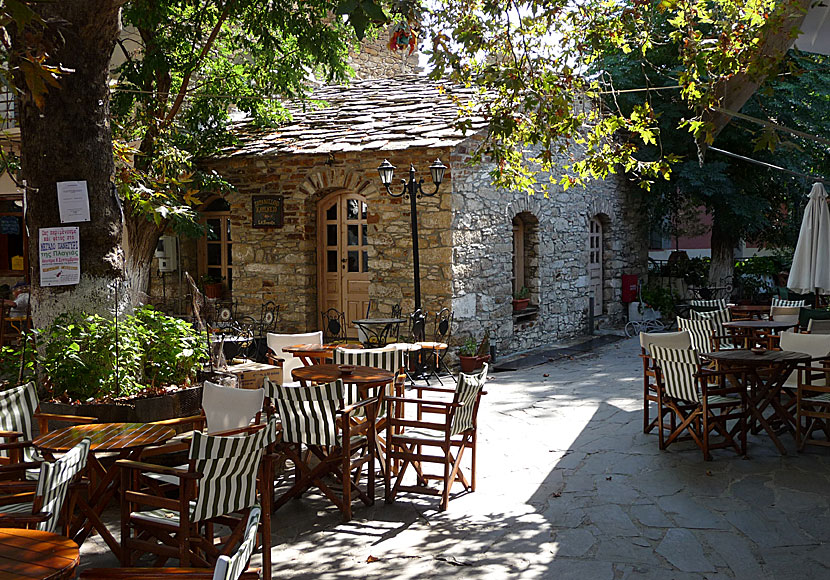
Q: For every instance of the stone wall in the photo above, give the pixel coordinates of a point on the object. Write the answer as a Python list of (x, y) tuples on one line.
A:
[(483, 260), (281, 263), (375, 60)]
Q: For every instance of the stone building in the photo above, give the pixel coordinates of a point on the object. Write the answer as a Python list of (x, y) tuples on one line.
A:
[(344, 241)]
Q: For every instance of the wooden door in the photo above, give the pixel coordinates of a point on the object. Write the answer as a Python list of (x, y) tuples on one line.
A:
[(215, 254), (343, 256), (595, 263)]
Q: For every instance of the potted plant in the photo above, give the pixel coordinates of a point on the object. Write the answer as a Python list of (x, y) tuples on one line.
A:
[(211, 285), (471, 356), (521, 299)]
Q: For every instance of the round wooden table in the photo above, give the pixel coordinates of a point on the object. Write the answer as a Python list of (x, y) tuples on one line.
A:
[(311, 354), (768, 371), (127, 441), (33, 554), (363, 377)]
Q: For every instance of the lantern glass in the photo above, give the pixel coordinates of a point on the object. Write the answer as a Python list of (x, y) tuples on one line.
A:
[(437, 169), (385, 171)]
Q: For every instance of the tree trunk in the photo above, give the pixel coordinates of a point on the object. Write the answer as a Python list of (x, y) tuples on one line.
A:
[(723, 244), (68, 138), (142, 236)]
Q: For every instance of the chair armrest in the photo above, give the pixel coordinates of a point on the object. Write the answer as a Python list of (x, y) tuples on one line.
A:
[(15, 445), (68, 418), (180, 420), (13, 435), (160, 469), (166, 448), (18, 467), (15, 520), (19, 497), (363, 403), (421, 401), (434, 389)]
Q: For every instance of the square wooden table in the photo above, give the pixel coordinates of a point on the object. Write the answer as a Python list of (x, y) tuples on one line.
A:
[(125, 441)]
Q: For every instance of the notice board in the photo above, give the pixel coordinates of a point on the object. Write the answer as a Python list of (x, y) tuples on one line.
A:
[(267, 211), (60, 256)]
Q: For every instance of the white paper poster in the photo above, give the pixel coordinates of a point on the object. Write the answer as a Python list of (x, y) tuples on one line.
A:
[(60, 256), (73, 201)]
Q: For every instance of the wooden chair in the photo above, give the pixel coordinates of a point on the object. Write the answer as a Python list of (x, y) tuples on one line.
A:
[(707, 305), (815, 326), (233, 567), (457, 431), (19, 409), (702, 400), (321, 439), (776, 301), (288, 361), (681, 339), (718, 317), (703, 333), (218, 487), (784, 313), (389, 358), (41, 509)]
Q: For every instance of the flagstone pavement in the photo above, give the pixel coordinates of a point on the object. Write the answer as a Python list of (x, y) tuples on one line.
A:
[(570, 487)]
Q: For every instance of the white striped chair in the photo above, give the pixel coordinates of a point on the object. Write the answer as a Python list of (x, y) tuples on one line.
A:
[(19, 409), (784, 313), (681, 339), (776, 301), (233, 567), (41, 509), (717, 304), (221, 481), (702, 400), (457, 431), (718, 317), (702, 333), (318, 419)]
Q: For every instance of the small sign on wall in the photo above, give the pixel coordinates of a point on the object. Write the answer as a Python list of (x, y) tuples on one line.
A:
[(60, 256), (267, 211), (73, 201)]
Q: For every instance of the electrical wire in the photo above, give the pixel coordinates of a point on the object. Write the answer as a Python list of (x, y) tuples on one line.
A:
[(769, 165)]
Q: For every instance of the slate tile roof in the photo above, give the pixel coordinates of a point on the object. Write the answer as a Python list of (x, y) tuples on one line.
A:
[(386, 114)]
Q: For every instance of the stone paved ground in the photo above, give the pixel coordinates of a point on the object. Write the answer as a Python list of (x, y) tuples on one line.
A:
[(570, 487)]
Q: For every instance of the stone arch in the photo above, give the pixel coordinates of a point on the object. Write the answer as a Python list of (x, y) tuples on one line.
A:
[(526, 203), (600, 207), (327, 179)]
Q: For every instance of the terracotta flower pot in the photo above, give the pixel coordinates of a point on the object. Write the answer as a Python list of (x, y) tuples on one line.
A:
[(520, 304), (213, 290), (470, 364)]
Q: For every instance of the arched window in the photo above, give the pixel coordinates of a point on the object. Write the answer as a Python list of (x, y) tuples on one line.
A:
[(526, 254)]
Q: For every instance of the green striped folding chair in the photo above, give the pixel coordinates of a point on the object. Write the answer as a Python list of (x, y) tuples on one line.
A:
[(703, 401), (46, 503), (701, 332), (718, 317), (18, 413), (647, 339), (458, 430), (776, 301), (233, 567), (315, 419), (707, 305), (219, 487)]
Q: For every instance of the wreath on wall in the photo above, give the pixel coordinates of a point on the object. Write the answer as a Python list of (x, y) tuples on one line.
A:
[(401, 36)]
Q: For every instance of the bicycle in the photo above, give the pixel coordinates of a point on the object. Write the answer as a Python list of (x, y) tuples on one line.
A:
[(648, 324)]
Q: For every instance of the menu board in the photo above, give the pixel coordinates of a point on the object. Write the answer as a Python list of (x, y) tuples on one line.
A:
[(267, 211), (60, 256)]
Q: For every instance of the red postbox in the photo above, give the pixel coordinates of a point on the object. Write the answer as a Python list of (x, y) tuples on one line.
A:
[(629, 287)]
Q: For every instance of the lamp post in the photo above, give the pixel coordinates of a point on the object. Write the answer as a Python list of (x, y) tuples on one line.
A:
[(413, 189)]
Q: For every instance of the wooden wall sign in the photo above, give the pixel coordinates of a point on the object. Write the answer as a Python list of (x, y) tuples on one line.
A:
[(267, 211)]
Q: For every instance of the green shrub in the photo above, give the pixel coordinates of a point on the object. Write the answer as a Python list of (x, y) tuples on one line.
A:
[(97, 358)]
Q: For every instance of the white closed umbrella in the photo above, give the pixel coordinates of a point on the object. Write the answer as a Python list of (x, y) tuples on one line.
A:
[(810, 271)]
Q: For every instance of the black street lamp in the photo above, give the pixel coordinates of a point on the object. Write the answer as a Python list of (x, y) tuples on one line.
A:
[(413, 189)]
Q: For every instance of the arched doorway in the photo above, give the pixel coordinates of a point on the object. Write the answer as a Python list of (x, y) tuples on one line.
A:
[(342, 255), (595, 273)]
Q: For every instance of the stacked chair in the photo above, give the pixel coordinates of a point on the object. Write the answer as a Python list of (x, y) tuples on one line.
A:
[(453, 431), (436, 350)]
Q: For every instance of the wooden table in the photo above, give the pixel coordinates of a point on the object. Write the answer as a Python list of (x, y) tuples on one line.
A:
[(311, 354), (126, 441), (33, 554), (363, 377), (767, 373), (751, 330)]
